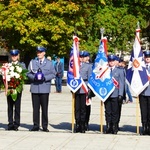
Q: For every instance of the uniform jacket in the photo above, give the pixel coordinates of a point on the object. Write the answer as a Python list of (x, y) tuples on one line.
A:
[(146, 92), (119, 75), (48, 71), (22, 65), (85, 72), (59, 72)]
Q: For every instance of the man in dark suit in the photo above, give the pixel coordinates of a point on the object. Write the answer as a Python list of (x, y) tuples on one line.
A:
[(144, 99), (112, 103), (41, 72), (14, 123), (59, 74)]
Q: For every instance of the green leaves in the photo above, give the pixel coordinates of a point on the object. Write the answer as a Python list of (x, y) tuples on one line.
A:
[(28, 23)]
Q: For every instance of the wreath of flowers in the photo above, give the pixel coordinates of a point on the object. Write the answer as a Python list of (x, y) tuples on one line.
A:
[(14, 77)]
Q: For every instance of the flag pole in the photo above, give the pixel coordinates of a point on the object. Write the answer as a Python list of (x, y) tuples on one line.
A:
[(101, 118), (137, 100), (73, 100), (137, 115), (101, 104)]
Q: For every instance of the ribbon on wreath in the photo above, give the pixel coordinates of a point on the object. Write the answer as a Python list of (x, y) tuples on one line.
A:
[(4, 71)]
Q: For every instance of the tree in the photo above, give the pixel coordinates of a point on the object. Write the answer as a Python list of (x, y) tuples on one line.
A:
[(24, 24)]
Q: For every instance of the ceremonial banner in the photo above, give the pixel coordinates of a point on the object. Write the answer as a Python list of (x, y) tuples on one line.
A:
[(136, 76), (74, 81), (100, 81)]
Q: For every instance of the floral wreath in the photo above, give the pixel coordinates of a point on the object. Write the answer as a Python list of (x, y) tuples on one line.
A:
[(14, 77)]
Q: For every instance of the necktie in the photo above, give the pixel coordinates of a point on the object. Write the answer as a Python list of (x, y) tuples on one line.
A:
[(147, 67), (40, 62), (111, 69)]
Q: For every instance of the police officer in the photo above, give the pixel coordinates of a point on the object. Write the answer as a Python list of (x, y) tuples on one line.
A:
[(118, 61), (81, 95), (41, 72), (14, 123), (144, 99), (86, 59), (112, 103)]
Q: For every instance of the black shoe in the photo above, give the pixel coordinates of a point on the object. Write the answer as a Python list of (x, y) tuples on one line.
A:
[(83, 131), (15, 128), (34, 129), (77, 129), (86, 127), (82, 127), (10, 128), (115, 129), (45, 130), (108, 128)]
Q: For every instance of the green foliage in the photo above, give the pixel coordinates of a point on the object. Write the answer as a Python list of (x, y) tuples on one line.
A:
[(27, 23)]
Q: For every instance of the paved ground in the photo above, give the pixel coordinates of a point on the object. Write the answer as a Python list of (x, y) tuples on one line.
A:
[(60, 136)]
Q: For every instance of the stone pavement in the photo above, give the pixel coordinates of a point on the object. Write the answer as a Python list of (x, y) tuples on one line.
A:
[(60, 136)]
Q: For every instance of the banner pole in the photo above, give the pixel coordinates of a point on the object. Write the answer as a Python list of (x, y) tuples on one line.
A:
[(73, 101), (101, 117), (137, 115)]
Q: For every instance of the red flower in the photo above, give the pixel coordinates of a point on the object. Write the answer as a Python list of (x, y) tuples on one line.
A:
[(17, 82), (10, 84), (14, 86), (12, 80)]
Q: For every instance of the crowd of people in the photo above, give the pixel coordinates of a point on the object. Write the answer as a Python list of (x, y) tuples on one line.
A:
[(119, 96), (40, 73)]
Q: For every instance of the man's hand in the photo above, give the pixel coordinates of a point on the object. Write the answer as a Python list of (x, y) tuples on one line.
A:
[(120, 99)]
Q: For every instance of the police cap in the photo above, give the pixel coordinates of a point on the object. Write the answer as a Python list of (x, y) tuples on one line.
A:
[(147, 53), (85, 54), (117, 58), (14, 52), (41, 48), (111, 57), (81, 53)]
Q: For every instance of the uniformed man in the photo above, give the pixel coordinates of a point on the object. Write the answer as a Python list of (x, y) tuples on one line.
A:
[(112, 103), (144, 99), (86, 59), (120, 66), (41, 72), (81, 95), (14, 123)]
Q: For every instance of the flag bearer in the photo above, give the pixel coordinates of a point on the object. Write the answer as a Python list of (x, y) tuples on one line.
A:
[(86, 56), (112, 103), (81, 95), (144, 99)]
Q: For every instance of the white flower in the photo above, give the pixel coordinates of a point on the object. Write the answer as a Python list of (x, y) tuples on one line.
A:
[(11, 73), (19, 69), (17, 75), (11, 68), (9, 64)]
